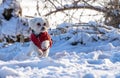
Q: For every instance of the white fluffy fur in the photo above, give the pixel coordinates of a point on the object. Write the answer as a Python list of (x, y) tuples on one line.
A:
[(38, 29), (33, 25)]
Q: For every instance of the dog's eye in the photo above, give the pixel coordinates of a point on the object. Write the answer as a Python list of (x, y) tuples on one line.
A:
[(38, 24), (44, 24)]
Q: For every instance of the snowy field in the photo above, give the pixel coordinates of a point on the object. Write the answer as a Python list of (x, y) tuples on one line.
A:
[(95, 60), (97, 57)]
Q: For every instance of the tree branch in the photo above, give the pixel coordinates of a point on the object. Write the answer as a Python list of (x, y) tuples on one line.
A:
[(70, 7), (52, 3)]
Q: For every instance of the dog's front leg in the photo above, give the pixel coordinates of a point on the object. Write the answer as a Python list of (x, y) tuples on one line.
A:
[(45, 46), (46, 53)]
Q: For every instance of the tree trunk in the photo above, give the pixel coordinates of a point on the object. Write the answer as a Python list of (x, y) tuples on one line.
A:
[(116, 4), (112, 16)]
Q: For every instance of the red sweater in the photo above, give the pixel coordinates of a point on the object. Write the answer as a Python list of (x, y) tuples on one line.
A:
[(42, 37)]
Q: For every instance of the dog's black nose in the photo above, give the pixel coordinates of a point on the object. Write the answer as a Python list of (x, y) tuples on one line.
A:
[(43, 28)]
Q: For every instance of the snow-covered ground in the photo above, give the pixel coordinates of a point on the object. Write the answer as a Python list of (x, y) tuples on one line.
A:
[(98, 56), (95, 60), (89, 56)]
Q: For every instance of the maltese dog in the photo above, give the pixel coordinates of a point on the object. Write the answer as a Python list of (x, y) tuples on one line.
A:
[(40, 39)]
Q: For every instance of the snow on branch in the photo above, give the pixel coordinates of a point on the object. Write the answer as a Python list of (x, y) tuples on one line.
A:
[(78, 6)]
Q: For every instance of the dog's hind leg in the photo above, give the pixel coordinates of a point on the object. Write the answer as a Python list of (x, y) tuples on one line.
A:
[(31, 49)]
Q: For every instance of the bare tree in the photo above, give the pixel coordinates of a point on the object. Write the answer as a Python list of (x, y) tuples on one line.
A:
[(112, 13), (110, 8)]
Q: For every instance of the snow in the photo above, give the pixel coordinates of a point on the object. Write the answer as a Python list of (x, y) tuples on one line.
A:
[(75, 53), (94, 60), (63, 25), (98, 59), (91, 59)]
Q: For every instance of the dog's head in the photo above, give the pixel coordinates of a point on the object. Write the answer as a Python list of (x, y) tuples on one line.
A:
[(38, 25)]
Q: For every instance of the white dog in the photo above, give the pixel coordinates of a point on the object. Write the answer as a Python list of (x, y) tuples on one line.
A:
[(40, 39)]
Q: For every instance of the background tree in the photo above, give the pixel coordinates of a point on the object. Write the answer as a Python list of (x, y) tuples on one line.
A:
[(10, 10), (109, 8), (112, 16)]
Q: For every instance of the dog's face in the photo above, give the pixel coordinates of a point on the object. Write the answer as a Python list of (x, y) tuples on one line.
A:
[(38, 25)]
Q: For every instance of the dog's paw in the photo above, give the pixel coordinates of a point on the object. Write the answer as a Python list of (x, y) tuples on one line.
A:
[(45, 45), (44, 48)]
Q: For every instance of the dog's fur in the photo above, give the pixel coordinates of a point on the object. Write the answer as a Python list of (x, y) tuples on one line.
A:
[(38, 26)]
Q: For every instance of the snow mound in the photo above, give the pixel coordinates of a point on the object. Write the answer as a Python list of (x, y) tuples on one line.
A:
[(115, 57), (7, 72)]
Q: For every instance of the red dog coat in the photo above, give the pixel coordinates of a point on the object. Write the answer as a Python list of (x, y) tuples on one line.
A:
[(37, 40)]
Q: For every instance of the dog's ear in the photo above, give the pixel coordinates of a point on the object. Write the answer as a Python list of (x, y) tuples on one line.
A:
[(31, 22), (47, 23)]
